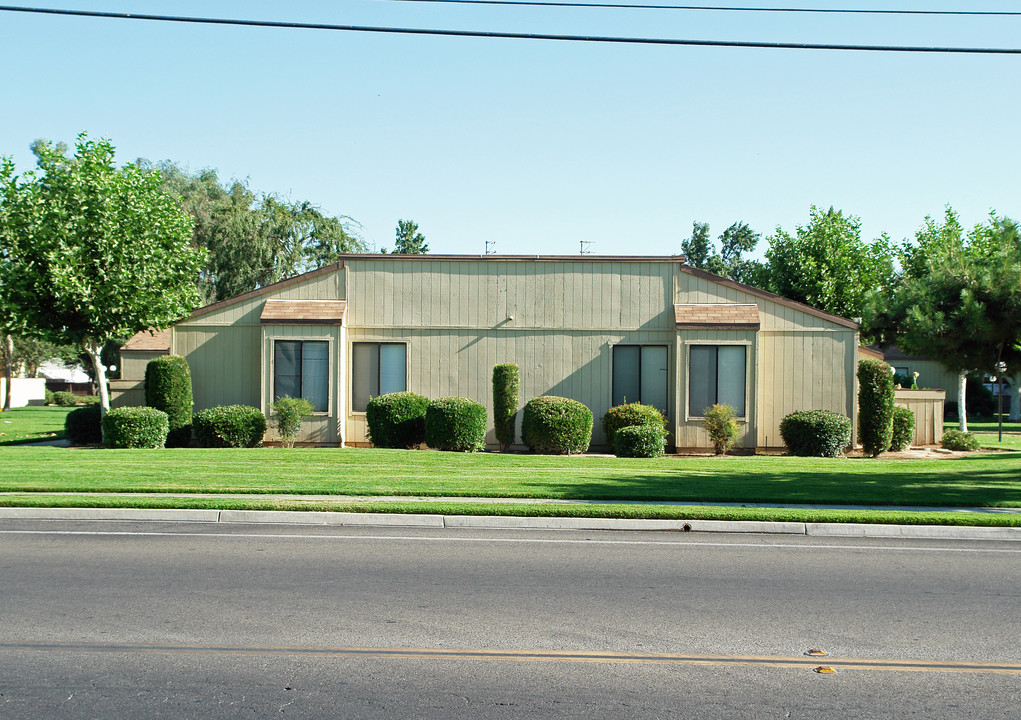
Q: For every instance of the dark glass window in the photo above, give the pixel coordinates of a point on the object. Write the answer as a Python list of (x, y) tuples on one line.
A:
[(301, 369), (377, 369)]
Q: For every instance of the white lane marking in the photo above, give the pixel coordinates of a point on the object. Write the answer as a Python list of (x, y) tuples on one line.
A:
[(544, 541)]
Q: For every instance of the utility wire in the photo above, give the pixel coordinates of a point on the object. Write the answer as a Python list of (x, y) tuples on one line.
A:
[(510, 35), (721, 8)]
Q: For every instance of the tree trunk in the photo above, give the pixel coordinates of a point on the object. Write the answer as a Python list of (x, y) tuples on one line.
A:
[(1015, 400), (962, 392), (8, 370), (95, 355)]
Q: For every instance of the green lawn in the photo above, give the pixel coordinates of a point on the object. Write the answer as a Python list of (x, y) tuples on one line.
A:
[(991, 479), (987, 432), (32, 424)]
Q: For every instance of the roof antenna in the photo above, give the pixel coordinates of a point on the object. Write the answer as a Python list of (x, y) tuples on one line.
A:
[(585, 249), (490, 247)]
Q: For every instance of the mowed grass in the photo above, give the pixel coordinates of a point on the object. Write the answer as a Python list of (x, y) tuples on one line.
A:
[(989, 434), (991, 479), (32, 424)]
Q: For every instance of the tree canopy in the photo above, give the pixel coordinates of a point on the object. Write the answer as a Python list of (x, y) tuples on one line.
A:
[(729, 261), (408, 240)]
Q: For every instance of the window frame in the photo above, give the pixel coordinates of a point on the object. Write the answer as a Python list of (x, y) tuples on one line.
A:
[(273, 340), (351, 375), (747, 345), (667, 347)]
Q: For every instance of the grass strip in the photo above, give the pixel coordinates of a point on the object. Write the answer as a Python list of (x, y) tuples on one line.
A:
[(609, 510)]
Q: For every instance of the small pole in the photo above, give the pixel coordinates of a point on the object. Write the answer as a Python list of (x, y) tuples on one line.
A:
[(1001, 367)]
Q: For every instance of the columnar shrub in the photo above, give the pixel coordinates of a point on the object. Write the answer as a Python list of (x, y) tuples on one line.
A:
[(634, 441), (288, 413), (168, 388), (397, 420), (629, 415), (556, 425), (815, 433), (238, 426), (719, 422), (135, 427), (455, 423), (64, 398), (875, 405), (48, 397), (954, 439), (84, 426), (505, 402), (903, 429)]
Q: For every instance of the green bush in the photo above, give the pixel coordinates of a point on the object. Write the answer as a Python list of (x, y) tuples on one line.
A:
[(875, 405), (719, 422), (455, 423), (639, 441), (168, 388), (397, 420), (88, 399), (288, 413), (954, 439), (135, 427), (48, 397), (815, 433), (64, 398), (84, 426), (505, 403), (238, 426), (903, 429), (630, 415), (556, 425)]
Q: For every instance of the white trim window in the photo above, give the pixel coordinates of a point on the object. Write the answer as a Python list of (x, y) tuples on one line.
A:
[(717, 375), (377, 368), (301, 369)]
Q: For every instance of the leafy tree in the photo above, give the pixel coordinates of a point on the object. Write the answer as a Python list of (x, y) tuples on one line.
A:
[(698, 248), (409, 241), (97, 251), (30, 353), (736, 240), (826, 264)]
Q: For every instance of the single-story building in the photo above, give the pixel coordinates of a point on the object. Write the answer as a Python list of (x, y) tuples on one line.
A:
[(601, 330)]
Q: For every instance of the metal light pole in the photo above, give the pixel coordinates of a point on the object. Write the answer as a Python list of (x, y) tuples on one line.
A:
[(1001, 367)]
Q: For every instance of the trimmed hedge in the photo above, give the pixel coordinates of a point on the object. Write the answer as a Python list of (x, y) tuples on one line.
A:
[(556, 425), (64, 398), (397, 420), (168, 388), (84, 426), (639, 441), (875, 406), (816, 433), (631, 415), (237, 426), (455, 423), (954, 439), (135, 427), (505, 403), (719, 422), (903, 429)]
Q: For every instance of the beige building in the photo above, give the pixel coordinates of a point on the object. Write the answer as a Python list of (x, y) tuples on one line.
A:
[(601, 330)]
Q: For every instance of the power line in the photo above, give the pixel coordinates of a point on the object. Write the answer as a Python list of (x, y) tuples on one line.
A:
[(721, 8), (513, 36)]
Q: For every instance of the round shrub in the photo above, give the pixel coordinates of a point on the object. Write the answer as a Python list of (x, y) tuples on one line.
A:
[(288, 413), (505, 402), (48, 397), (639, 441), (397, 420), (556, 425), (903, 429), (237, 426), (629, 415), (135, 427), (719, 422), (875, 405), (954, 439), (64, 398), (84, 426), (168, 388), (455, 423), (815, 433)]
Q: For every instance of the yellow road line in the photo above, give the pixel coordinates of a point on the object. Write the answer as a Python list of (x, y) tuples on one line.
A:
[(564, 656)]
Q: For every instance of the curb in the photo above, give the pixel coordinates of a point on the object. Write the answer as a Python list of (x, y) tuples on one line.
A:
[(502, 522)]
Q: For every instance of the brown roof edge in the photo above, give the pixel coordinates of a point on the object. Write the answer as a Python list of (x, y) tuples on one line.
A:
[(766, 295), (871, 352), (520, 258), (266, 289), (150, 340)]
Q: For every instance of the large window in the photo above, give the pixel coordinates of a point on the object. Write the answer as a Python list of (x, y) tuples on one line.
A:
[(301, 369), (378, 368), (716, 375), (640, 375)]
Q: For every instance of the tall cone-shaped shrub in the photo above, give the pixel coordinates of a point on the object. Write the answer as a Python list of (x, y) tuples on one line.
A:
[(168, 388), (505, 403), (875, 406)]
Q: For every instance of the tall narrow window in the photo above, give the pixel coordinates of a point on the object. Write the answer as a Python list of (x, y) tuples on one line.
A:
[(377, 369), (301, 369), (640, 375), (716, 375)]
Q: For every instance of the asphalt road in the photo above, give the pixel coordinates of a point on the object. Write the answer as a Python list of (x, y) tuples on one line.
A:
[(175, 620)]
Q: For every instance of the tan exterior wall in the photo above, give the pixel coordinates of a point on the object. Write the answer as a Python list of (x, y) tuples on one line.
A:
[(931, 376), (927, 406), (129, 391)]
